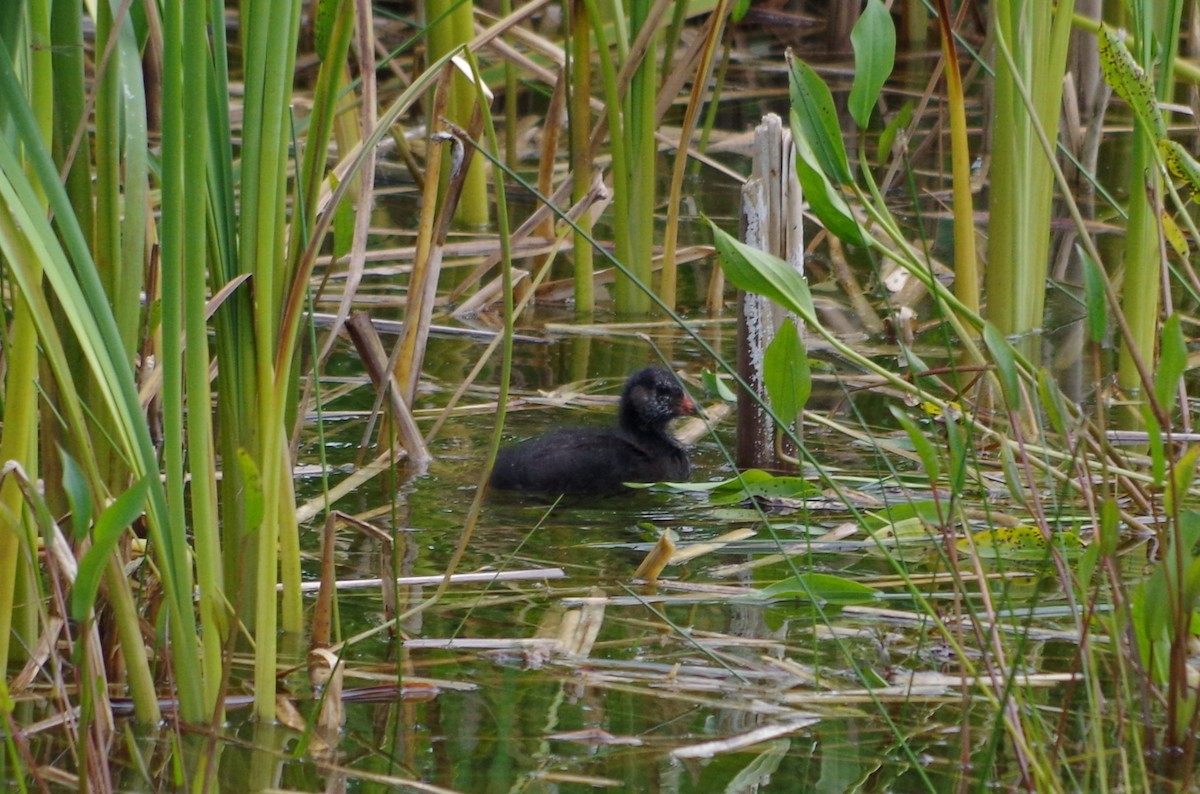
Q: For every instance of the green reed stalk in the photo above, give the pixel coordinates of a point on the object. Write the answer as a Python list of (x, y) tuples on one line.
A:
[(579, 112), (637, 211), (617, 142), (271, 29), (452, 26), (19, 443), (1141, 287), (713, 33), (70, 273), (1022, 179), (966, 270)]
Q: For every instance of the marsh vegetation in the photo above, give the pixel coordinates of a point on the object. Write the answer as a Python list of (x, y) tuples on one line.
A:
[(280, 277)]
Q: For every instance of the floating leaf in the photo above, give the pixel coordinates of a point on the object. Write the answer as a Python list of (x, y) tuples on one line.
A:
[(1017, 543), (820, 587), (874, 42), (759, 484), (786, 374)]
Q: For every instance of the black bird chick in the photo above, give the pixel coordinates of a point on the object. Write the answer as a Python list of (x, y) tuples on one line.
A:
[(598, 461)]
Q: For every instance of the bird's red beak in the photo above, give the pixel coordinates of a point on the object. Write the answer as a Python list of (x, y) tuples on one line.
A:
[(687, 406)]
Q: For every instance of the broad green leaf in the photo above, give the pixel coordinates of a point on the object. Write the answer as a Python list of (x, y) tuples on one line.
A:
[(740, 7), (824, 199), (1094, 299), (1172, 361), (1006, 364), (756, 271), (786, 373), (926, 510), (79, 495), (887, 138), (1180, 163), (821, 587), (759, 484), (921, 443), (874, 42), (253, 496), (1017, 543), (1130, 82), (813, 106), (109, 526)]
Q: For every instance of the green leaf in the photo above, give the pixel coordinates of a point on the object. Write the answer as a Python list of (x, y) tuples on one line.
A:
[(957, 445), (887, 138), (1130, 82), (343, 228), (109, 526), (1017, 543), (1053, 401), (740, 7), (813, 105), (1086, 566), (1183, 473), (874, 41), (323, 21), (1012, 475), (253, 496), (921, 443), (821, 587), (1172, 361), (1095, 299), (756, 271), (759, 484), (714, 385), (1006, 364), (79, 495), (1180, 162), (823, 198), (1157, 446), (786, 373), (1110, 529)]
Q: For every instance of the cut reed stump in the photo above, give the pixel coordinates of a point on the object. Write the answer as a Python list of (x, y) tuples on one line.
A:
[(772, 221)]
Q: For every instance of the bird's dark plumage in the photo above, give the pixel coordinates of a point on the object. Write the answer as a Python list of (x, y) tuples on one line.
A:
[(598, 461)]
